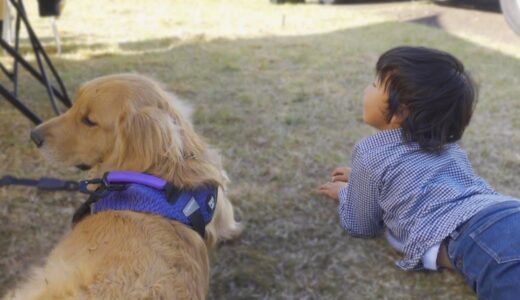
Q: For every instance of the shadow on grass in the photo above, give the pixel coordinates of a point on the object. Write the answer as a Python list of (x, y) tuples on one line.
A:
[(483, 5), (347, 2), (432, 21), (284, 111)]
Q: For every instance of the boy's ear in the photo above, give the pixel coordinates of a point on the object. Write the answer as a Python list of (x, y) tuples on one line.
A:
[(400, 116)]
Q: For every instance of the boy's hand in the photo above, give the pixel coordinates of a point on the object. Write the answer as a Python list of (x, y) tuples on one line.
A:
[(331, 189), (341, 174)]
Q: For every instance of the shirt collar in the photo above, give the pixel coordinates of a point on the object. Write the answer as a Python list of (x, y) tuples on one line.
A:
[(395, 137), (383, 137)]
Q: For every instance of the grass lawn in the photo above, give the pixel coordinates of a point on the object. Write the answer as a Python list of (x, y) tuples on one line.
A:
[(278, 89)]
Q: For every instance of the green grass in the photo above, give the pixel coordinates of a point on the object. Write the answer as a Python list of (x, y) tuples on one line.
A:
[(283, 105)]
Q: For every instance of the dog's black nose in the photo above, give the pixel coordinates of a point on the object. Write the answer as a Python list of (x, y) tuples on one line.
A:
[(37, 137)]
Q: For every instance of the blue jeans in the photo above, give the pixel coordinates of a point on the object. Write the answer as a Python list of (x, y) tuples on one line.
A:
[(486, 251)]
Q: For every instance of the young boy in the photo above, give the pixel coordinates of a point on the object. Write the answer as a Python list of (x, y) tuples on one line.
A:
[(412, 179)]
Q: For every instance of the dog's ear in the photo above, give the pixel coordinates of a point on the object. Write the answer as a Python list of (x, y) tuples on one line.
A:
[(147, 138)]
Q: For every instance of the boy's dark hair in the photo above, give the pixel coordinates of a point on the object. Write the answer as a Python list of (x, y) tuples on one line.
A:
[(431, 88)]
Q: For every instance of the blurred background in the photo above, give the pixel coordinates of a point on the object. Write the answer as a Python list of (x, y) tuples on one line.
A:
[(277, 86)]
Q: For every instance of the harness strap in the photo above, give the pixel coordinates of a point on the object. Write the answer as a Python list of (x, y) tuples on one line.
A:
[(84, 209), (197, 221), (172, 192), (194, 214)]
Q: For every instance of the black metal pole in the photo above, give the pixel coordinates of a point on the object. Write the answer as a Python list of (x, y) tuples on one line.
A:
[(20, 106), (27, 66), (14, 79), (42, 75), (38, 49)]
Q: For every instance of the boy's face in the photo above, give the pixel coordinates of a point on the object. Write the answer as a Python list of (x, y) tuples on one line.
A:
[(375, 107)]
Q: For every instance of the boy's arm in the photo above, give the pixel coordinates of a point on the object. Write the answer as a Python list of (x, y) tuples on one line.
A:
[(359, 211)]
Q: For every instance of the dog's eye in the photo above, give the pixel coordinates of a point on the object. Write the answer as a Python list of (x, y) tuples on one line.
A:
[(85, 120)]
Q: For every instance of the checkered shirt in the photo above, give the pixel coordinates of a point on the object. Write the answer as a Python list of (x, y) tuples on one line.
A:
[(420, 197)]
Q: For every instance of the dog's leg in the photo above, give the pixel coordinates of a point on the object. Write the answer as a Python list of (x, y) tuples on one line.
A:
[(50, 282)]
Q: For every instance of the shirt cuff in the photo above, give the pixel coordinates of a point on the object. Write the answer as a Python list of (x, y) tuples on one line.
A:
[(342, 193)]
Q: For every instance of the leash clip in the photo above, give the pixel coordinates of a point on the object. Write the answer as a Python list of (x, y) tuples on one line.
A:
[(103, 184), (83, 185)]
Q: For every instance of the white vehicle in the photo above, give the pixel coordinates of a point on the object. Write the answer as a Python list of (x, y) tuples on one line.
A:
[(510, 9)]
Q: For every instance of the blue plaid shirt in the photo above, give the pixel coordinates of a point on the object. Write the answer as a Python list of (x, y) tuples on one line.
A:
[(420, 197)]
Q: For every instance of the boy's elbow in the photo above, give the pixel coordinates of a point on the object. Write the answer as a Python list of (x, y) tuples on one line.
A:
[(362, 234)]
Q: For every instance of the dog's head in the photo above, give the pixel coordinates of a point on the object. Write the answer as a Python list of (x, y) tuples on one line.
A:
[(126, 122)]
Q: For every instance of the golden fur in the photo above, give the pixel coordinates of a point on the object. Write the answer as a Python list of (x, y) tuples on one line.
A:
[(128, 122)]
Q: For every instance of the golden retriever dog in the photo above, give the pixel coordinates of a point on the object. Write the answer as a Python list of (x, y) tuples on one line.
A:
[(128, 122)]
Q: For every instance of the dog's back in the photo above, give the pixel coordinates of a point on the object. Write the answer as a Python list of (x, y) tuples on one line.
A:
[(123, 255)]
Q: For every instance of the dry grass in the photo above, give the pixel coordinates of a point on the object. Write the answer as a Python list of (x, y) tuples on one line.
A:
[(282, 102)]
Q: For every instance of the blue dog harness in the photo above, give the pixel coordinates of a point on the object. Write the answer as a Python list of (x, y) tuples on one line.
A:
[(125, 190)]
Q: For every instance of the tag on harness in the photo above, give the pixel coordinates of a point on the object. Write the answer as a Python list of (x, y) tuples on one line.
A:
[(191, 207), (193, 213), (211, 203)]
